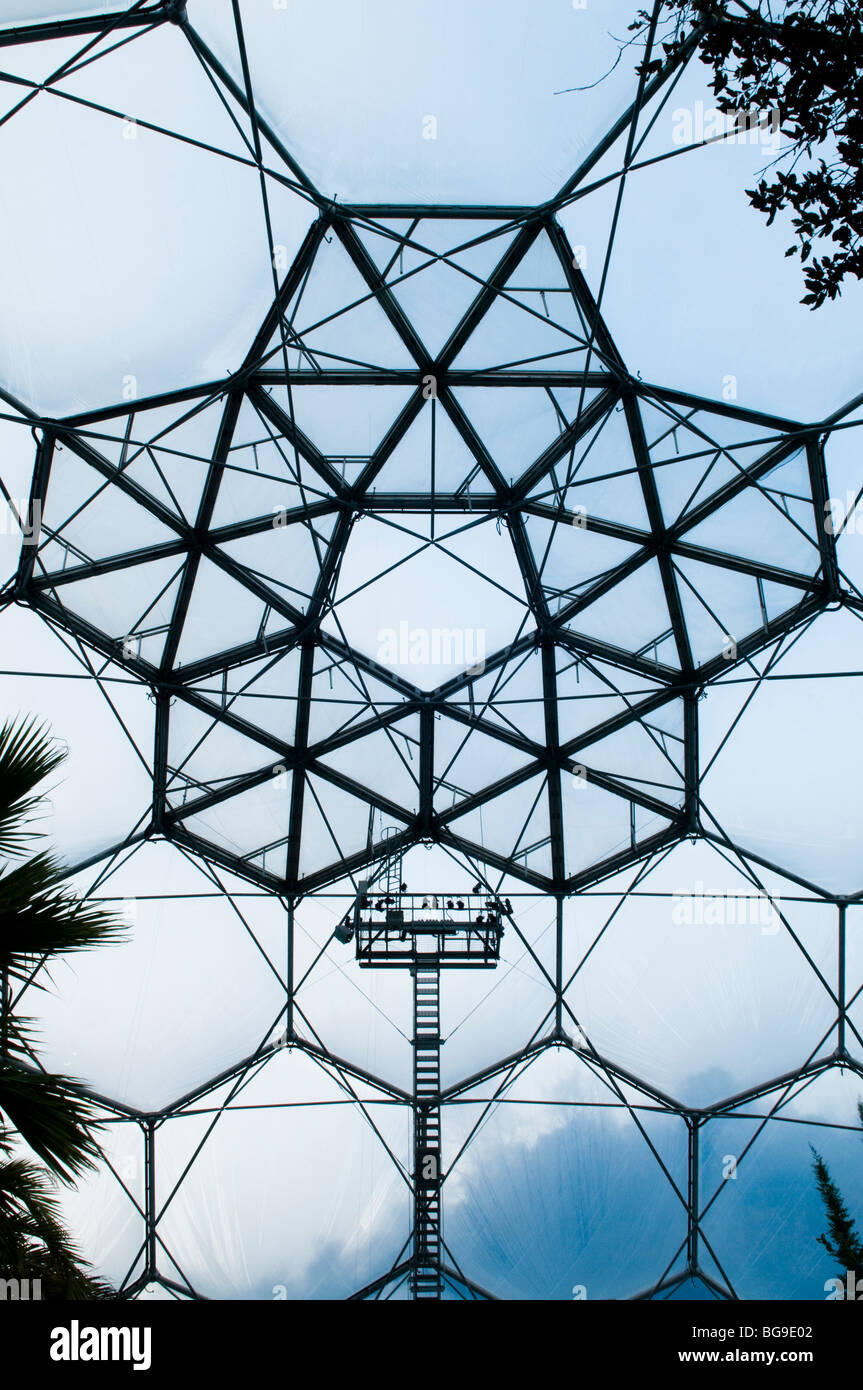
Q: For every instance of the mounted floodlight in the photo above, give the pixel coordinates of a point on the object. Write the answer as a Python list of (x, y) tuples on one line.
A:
[(344, 932)]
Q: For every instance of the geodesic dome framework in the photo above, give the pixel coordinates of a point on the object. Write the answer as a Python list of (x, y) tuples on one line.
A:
[(431, 568)]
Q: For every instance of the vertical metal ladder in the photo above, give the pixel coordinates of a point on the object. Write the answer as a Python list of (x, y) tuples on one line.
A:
[(392, 876), (422, 932), (426, 1281)]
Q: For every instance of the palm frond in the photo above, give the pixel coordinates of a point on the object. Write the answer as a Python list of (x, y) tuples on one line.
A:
[(33, 1241), (38, 917), (52, 1116), (20, 1037), (25, 1188), (28, 755)]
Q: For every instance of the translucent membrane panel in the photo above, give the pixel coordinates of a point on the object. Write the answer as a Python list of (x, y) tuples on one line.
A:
[(196, 985), (32, 11), (251, 824), (437, 268), (518, 425), (134, 615), (428, 605), (513, 825), (85, 518), (699, 454), (592, 693), (472, 110), (467, 761), (532, 323), (285, 562), (548, 1185), (431, 458), (762, 1214), (364, 1016), (508, 697), (346, 421), (265, 478), (149, 220), (334, 319), (633, 616), (346, 696), (692, 262), (699, 981), (291, 1193), (799, 811), (105, 1208), (773, 518), (599, 824), (645, 756), (335, 824), (19, 521), (102, 791), (207, 755), (854, 973), (223, 613), (723, 608), (384, 762), (158, 458), (843, 514), (259, 695), (493, 1013), (568, 559)]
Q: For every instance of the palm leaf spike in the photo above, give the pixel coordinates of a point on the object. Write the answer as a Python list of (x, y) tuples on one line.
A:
[(39, 920), (33, 1241), (28, 755), (38, 917), (51, 1114)]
